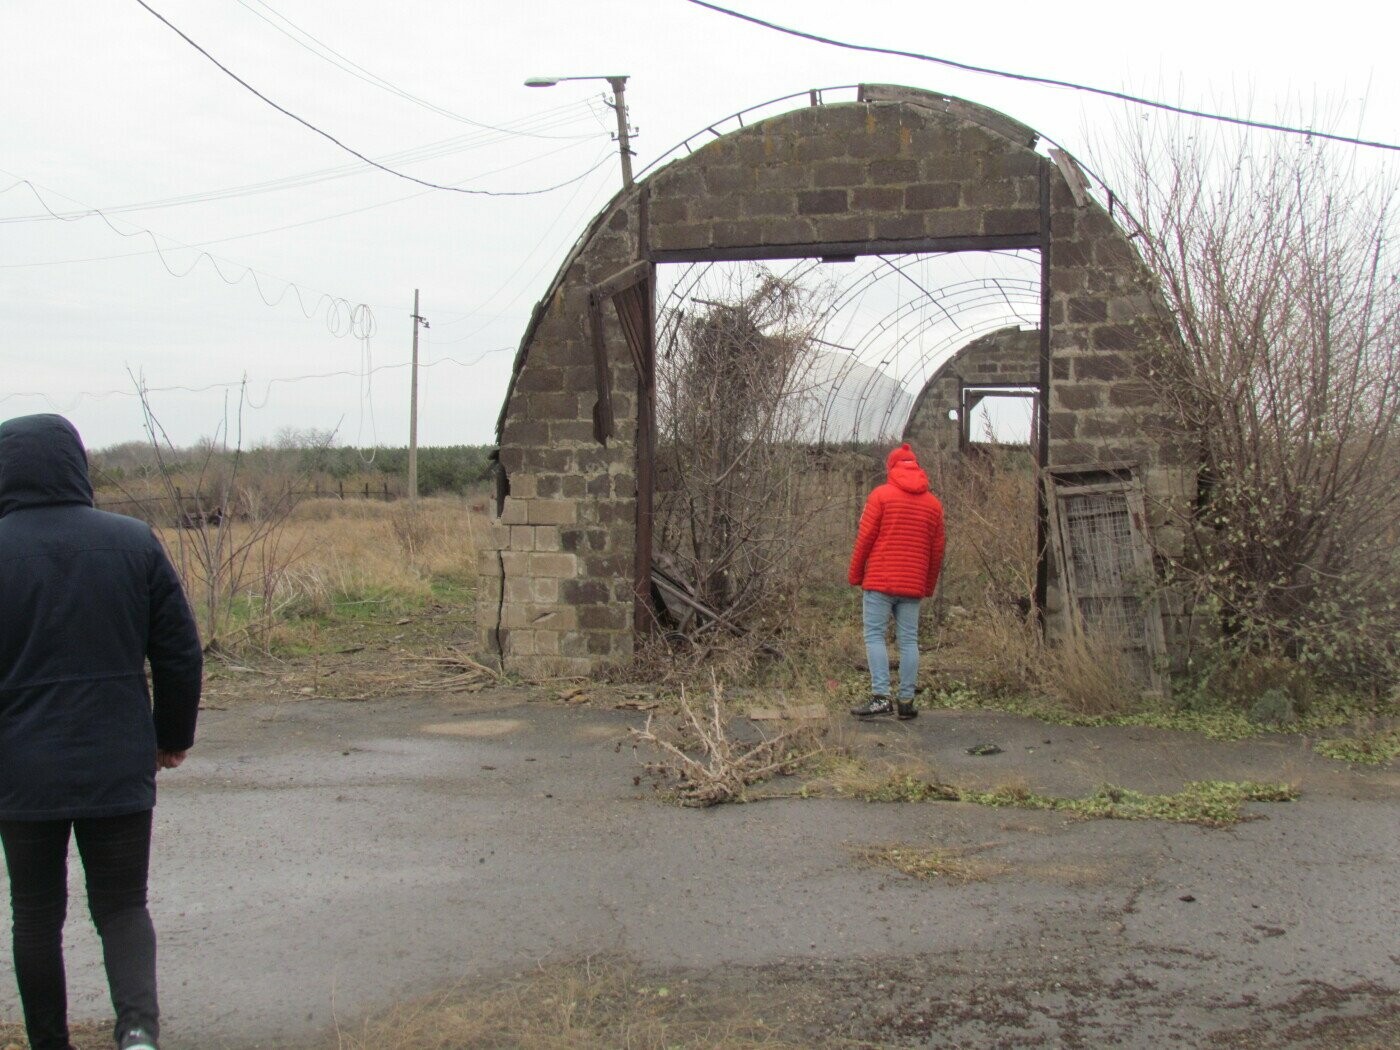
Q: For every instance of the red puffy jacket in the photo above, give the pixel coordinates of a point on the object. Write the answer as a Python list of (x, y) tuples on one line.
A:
[(899, 549)]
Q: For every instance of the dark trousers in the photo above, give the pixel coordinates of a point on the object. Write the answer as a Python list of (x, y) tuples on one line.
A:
[(116, 853)]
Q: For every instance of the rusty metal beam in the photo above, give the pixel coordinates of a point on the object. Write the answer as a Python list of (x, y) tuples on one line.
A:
[(817, 249)]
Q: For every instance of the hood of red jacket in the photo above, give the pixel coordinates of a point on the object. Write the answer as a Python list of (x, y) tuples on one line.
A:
[(903, 469)]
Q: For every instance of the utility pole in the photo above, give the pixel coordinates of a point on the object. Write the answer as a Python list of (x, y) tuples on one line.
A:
[(418, 319), (619, 86), (619, 104)]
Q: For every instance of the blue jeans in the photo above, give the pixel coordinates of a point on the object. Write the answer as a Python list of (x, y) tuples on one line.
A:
[(876, 609)]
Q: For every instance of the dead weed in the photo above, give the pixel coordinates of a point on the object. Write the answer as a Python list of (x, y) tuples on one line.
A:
[(951, 864), (706, 763)]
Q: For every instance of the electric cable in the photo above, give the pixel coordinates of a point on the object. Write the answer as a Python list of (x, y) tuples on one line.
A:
[(428, 151), (331, 138), (88, 395), (270, 229), (358, 71), (342, 317), (1049, 81), (559, 216)]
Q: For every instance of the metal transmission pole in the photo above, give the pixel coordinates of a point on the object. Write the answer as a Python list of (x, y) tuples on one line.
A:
[(418, 319)]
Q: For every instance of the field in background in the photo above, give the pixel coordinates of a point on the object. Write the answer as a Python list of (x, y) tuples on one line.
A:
[(356, 598), (348, 599)]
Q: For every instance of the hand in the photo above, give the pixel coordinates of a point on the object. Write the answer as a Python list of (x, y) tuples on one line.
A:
[(169, 759)]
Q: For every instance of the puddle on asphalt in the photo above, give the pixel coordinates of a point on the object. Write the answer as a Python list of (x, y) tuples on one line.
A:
[(475, 727)]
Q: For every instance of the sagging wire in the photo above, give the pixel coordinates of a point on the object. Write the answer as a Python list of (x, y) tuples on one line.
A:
[(335, 305), (1137, 100), (276, 229), (605, 157), (416, 154), (359, 72), (335, 141), (358, 373)]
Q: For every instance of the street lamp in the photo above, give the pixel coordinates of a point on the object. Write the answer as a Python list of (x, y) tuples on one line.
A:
[(619, 105)]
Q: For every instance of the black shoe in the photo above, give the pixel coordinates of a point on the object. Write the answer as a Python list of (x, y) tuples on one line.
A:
[(876, 705), (905, 710), (137, 1039)]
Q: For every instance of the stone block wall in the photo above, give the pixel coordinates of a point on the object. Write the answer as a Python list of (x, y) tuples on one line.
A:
[(850, 173), (556, 578), (1007, 357), (555, 592)]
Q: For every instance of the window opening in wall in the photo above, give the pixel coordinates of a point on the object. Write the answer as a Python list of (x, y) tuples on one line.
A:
[(998, 417)]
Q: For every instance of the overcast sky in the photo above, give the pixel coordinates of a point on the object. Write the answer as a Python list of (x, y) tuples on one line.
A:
[(106, 107)]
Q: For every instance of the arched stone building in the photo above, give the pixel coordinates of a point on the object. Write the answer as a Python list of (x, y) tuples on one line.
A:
[(564, 582)]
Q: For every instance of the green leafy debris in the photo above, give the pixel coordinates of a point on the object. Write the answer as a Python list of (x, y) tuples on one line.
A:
[(1209, 803), (1371, 750)]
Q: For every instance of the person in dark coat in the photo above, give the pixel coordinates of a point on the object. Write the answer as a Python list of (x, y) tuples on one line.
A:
[(896, 560), (86, 599)]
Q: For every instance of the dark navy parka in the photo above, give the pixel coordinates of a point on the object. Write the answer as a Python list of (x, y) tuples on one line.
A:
[(86, 598)]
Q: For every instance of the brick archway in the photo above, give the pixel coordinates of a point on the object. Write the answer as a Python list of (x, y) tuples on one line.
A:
[(898, 171)]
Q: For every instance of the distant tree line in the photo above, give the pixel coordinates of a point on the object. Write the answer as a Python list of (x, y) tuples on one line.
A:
[(304, 453)]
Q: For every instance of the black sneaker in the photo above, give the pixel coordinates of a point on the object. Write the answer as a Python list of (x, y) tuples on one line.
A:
[(876, 705), (137, 1039), (905, 710)]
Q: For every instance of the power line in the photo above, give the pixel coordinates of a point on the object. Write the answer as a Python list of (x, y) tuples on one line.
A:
[(342, 318), (331, 138), (525, 259), (89, 395), (605, 158), (354, 69), (1028, 78), (428, 151)]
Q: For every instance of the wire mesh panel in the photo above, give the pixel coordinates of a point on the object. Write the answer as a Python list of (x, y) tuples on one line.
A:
[(1100, 542), (1106, 567)]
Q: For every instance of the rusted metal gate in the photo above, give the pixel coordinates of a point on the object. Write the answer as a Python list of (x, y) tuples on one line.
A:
[(1104, 558)]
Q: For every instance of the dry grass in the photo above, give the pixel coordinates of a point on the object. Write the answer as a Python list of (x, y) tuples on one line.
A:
[(963, 864), (1090, 676), (586, 1006), (348, 557), (958, 864), (87, 1036)]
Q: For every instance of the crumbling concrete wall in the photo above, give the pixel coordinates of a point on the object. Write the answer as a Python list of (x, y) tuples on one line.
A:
[(556, 588), (1007, 357)]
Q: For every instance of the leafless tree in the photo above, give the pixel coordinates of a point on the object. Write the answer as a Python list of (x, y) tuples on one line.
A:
[(1278, 267), (227, 538)]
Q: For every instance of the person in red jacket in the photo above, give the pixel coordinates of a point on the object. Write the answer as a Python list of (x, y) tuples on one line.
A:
[(896, 560)]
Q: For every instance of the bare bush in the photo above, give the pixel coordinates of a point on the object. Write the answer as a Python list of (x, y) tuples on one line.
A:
[(1278, 267), (220, 558), (730, 385)]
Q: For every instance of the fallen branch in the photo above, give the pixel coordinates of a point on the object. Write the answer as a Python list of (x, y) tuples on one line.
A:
[(709, 767)]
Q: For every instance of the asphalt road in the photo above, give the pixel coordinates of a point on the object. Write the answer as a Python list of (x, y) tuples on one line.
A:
[(316, 861)]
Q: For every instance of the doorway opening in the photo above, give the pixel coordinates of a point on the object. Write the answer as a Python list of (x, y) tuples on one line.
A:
[(780, 385)]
